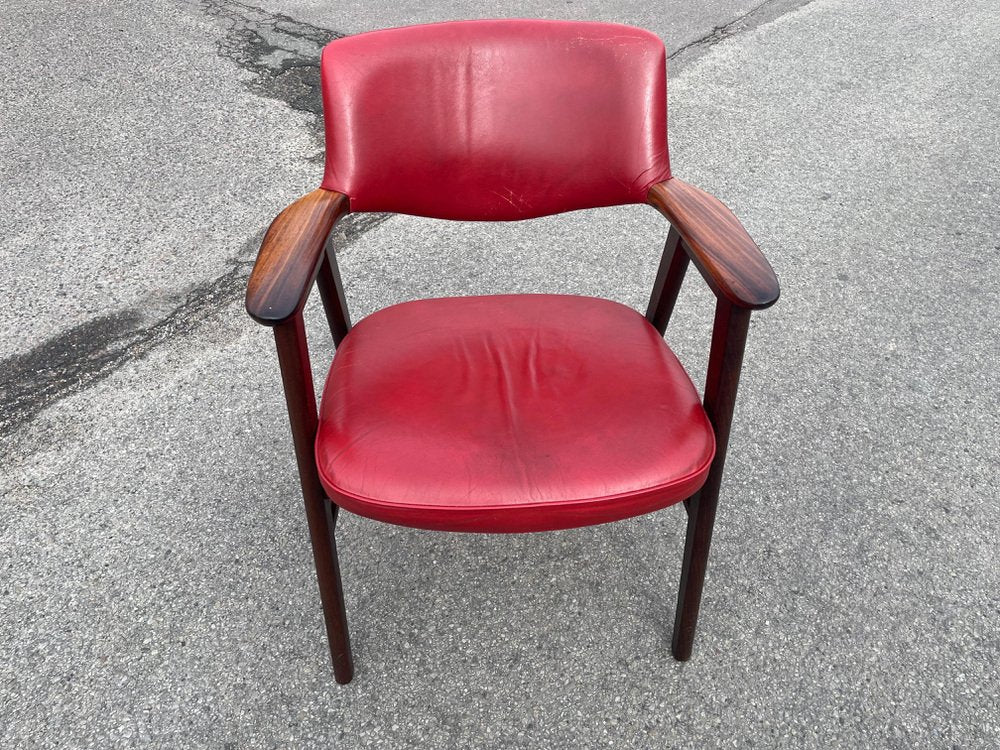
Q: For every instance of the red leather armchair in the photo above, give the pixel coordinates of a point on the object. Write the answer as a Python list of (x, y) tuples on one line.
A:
[(492, 414)]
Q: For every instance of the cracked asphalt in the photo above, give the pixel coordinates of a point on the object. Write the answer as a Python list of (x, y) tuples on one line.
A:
[(156, 585)]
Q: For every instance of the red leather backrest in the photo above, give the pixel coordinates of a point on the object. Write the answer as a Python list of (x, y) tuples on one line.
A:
[(495, 120)]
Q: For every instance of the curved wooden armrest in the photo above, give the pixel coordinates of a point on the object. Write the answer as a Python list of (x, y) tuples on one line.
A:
[(290, 256), (717, 243)]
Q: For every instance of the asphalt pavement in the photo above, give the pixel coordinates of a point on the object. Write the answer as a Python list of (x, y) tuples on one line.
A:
[(157, 584)]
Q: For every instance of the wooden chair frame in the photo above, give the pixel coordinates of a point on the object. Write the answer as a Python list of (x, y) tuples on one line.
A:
[(294, 255)]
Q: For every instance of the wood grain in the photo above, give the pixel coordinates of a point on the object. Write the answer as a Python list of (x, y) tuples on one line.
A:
[(290, 256), (717, 244)]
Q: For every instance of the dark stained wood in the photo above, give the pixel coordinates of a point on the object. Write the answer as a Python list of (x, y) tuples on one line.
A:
[(669, 277), (729, 336), (290, 256), (717, 243), (331, 290), (296, 376)]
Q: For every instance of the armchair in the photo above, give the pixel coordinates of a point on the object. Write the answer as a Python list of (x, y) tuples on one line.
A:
[(491, 414)]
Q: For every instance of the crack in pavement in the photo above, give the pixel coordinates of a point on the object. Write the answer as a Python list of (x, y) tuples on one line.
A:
[(283, 56), (767, 11)]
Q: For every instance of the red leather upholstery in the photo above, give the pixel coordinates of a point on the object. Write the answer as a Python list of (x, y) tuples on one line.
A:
[(509, 413), (495, 120)]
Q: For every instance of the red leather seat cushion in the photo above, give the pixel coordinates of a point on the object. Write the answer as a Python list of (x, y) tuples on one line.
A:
[(505, 119), (509, 413)]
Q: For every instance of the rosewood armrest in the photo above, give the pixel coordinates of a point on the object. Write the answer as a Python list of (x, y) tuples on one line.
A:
[(717, 244), (290, 256)]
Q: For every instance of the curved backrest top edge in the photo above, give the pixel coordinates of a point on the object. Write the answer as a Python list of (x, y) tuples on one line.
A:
[(495, 120)]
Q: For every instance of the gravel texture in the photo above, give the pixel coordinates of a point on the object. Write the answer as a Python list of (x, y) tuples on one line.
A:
[(156, 585)]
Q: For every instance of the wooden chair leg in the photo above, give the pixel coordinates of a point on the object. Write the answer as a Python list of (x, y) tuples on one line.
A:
[(701, 519), (293, 357), (331, 590), (724, 363)]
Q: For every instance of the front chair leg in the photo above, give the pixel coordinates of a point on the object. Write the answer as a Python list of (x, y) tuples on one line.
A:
[(729, 335), (331, 590), (321, 514), (701, 519)]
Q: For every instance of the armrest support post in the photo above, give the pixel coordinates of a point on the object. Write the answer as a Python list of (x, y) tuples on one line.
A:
[(300, 397), (331, 291), (725, 362), (669, 277)]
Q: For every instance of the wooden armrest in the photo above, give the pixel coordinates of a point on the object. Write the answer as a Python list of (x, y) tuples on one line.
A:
[(290, 256), (717, 244)]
